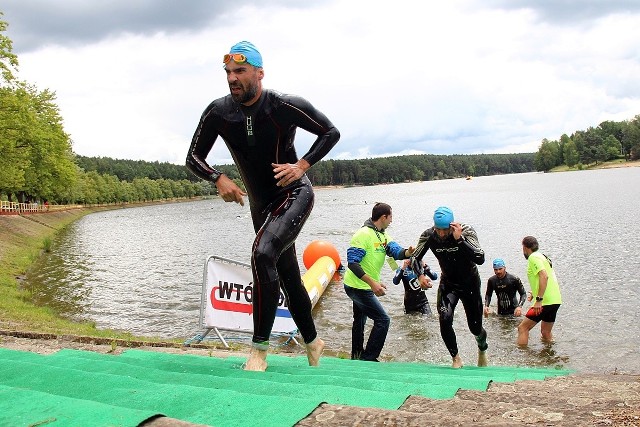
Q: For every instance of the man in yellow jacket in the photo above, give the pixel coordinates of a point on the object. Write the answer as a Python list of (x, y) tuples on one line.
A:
[(369, 247), (545, 292)]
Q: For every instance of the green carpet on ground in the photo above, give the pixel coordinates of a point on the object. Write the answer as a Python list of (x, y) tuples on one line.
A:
[(72, 387)]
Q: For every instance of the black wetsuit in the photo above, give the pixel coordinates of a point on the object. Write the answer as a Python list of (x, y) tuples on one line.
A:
[(257, 136), (506, 290), (459, 280), (415, 298)]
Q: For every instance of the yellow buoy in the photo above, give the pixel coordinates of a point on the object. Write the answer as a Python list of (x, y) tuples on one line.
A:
[(318, 277)]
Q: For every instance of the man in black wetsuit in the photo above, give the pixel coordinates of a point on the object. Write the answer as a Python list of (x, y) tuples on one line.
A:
[(415, 298), (458, 252), (506, 286), (258, 126)]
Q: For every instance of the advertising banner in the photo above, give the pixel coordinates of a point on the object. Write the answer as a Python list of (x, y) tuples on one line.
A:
[(227, 295)]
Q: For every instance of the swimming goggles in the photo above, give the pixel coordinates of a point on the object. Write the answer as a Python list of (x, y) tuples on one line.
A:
[(238, 58)]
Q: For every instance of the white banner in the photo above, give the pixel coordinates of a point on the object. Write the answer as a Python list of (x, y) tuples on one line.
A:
[(228, 288)]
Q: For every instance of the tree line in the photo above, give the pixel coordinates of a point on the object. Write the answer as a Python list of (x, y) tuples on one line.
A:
[(608, 141), (419, 167), (382, 170)]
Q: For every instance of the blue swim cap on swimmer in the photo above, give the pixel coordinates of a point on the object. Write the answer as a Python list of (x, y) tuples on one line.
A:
[(250, 51), (498, 263), (442, 217)]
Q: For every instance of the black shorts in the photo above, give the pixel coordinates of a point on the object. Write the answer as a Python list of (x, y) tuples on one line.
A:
[(547, 314)]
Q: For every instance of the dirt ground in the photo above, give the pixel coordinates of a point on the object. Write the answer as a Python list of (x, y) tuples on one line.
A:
[(575, 400)]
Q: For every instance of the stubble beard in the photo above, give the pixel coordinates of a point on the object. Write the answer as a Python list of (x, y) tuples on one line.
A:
[(246, 95)]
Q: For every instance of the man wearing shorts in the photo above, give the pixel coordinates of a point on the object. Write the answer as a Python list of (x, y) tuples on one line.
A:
[(545, 292)]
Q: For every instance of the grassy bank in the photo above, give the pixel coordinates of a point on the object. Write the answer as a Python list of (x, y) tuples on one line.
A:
[(618, 163), (24, 238)]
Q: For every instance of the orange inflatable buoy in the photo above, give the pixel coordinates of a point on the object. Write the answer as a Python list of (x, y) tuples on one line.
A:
[(316, 250)]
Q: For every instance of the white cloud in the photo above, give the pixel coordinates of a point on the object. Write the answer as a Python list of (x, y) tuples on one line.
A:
[(395, 78)]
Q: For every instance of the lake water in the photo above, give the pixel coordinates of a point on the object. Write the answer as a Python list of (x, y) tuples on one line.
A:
[(140, 269)]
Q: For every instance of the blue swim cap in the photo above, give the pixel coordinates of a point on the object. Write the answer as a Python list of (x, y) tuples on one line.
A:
[(498, 263), (442, 217), (249, 50)]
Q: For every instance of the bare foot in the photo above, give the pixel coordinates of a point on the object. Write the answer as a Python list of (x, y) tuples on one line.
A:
[(314, 351), (257, 361), (457, 362), (482, 358)]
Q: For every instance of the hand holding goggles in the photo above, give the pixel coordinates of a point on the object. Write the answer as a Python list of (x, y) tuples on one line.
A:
[(238, 58)]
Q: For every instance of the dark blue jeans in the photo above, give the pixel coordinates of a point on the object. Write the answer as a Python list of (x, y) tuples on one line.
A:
[(366, 305)]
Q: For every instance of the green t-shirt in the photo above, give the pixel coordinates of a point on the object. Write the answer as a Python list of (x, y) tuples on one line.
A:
[(374, 244), (537, 262)]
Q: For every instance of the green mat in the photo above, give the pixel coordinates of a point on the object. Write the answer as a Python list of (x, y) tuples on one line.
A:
[(78, 388)]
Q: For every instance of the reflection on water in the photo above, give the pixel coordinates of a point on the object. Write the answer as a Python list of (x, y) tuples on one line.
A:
[(140, 269), (59, 283)]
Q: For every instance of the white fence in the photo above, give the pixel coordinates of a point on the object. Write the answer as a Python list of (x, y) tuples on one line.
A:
[(17, 208)]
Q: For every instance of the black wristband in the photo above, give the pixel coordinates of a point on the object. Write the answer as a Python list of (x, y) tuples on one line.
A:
[(539, 298), (215, 177)]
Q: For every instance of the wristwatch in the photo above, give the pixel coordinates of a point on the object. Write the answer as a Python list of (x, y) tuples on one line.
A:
[(215, 176), (539, 298)]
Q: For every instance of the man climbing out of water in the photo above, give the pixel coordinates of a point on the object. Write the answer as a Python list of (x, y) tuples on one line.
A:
[(457, 249), (545, 291), (507, 287), (258, 126)]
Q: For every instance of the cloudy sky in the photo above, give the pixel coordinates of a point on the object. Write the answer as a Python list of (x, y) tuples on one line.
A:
[(444, 77)]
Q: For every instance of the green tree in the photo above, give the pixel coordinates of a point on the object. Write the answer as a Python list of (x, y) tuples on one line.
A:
[(51, 167), (165, 189), (592, 144), (611, 128), (13, 158), (369, 176), (547, 155), (612, 147), (564, 140), (571, 156), (92, 185), (128, 191), (36, 160), (75, 192), (631, 138), (8, 60)]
